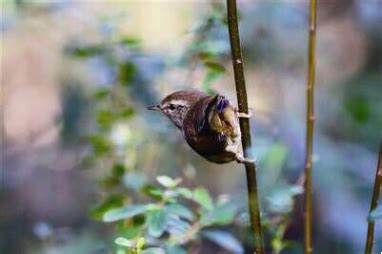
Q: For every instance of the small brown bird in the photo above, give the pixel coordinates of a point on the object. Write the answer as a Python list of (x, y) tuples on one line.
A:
[(210, 124)]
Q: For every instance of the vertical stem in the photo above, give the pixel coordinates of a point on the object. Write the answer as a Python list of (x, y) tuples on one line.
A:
[(253, 201), (374, 202), (309, 128)]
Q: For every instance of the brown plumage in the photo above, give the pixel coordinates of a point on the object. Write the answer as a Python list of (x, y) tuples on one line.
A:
[(210, 124)]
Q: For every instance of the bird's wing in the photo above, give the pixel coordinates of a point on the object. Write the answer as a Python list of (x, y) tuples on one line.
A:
[(217, 103), (221, 103)]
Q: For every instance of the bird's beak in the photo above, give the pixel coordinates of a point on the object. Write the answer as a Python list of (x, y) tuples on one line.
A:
[(154, 107)]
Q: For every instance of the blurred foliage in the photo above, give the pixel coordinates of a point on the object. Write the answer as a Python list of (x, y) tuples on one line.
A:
[(208, 48), (175, 215)]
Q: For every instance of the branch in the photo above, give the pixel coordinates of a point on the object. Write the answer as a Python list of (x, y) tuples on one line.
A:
[(253, 201), (374, 203), (309, 128)]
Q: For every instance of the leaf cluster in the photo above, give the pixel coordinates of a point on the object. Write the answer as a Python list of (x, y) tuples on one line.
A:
[(173, 214)]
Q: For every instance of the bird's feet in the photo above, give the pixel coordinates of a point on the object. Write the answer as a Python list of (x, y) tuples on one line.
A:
[(244, 115), (233, 147), (240, 159)]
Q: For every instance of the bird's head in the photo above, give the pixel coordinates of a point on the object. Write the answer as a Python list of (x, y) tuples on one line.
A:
[(176, 105)]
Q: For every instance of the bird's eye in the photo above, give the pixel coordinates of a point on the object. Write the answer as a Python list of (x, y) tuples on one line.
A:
[(171, 106)]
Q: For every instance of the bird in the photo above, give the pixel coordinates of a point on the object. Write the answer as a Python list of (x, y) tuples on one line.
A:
[(210, 124)]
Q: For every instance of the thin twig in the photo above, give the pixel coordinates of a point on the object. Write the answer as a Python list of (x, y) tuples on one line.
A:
[(374, 203), (253, 201), (309, 127)]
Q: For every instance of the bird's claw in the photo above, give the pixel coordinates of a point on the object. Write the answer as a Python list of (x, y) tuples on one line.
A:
[(240, 159), (244, 115)]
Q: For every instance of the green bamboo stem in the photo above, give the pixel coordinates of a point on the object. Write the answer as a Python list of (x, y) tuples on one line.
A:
[(237, 60), (374, 203), (310, 127)]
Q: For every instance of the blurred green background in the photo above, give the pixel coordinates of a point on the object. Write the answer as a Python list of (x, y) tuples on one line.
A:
[(61, 59)]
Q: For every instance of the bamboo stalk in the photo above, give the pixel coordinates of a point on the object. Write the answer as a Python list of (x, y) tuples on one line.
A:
[(374, 203), (310, 127), (241, 93)]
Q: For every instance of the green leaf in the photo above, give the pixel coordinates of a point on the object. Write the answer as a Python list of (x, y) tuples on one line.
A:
[(153, 206), (154, 250), (203, 198), (86, 51), (104, 118), (100, 144), (206, 50), (225, 240), (110, 182), (276, 156), (216, 67), (134, 228), (131, 41), (126, 113), (124, 242), (132, 232), (120, 250), (359, 108), (169, 195), (101, 93), (134, 180), (118, 170), (168, 182), (376, 214), (123, 213), (281, 199), (140, 243), (126, 72), (185, 192), (206, 55), (177, 227), (109, 203), (277, 244), (179, 210), (153, 192), (175, 249), (222, 214), (157, 220)]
